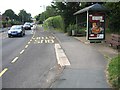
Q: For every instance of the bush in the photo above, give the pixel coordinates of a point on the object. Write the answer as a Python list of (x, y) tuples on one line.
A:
[(114, 72), (70, 28), (55, 22)]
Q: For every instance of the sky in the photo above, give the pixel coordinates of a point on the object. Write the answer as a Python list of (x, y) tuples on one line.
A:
[(34, 7)]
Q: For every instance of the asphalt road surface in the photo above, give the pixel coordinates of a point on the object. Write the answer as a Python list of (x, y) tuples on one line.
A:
[(29, 61)]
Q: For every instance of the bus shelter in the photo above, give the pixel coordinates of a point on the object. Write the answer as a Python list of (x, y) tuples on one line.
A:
[(95, 16)]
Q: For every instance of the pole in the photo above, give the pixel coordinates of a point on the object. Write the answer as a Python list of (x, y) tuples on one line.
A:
[(87, 25)]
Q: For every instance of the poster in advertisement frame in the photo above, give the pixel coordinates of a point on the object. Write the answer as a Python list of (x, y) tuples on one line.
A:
[(96, 26)]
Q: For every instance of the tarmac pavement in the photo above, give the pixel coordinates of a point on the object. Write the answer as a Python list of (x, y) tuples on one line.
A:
[(88, 65)]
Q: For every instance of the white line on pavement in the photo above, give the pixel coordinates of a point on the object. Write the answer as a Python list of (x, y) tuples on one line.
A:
[(15, 59), (3, 72), (22, 52)]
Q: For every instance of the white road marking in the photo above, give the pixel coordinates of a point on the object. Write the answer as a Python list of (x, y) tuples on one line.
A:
[(38, 42), (52, 41), (38, 37), (46, 37), (28, 42), (46, 41), (22, 52), (60, 55), (26, 46), (42, 37), (3, 72), (15, 59), (41, 41)]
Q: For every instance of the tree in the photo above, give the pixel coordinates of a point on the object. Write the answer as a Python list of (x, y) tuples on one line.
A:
[(114, 15), (66, 10), (10, 13), (24, 16)]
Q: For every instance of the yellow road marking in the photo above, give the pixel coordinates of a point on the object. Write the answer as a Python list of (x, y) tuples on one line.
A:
[(3, 72), (26, 46), (22, 52), (14, 60)]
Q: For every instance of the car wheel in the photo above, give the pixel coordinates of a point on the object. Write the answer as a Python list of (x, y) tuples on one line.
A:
[(9, 36)]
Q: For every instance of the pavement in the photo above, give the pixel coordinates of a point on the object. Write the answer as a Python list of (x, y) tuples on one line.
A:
[(103, 48), (88, 63)]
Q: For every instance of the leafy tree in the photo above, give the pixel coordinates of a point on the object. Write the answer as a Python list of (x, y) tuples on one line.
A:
[(113, 16), (24, 16), (66, 10), (10, 14)]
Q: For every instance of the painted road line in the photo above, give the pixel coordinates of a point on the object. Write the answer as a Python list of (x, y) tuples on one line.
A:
[(3, 72), (42, 37), (26, 46), (46, 37), (28, 42), (14, 60), (22, 52), (52, 41), (53, 37), (41, 41), (38, 42), (61, 57), (39, 37), (31, 40), (46, 41)]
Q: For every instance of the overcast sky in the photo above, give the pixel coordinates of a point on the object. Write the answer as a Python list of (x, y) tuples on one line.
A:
[(31, 6)]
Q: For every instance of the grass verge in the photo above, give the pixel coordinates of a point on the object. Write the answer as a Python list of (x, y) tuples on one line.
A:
[(114, 72)]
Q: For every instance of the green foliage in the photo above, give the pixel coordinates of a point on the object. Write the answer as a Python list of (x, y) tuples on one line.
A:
[(113, 16), (114, 72), (50, 12), (55, 22), (70, 28), (24, 16), (66, 10)]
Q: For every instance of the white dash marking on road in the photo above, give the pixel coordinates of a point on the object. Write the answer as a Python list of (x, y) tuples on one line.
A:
[(3, 72), (28, 42), (22, 52), (26, 46), (14, 60)]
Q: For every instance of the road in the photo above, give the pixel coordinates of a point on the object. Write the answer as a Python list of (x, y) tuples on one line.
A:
[(32, 62), (27, 61)]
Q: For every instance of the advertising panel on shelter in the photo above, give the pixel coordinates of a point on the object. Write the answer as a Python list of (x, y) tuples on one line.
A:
[(96, 26)]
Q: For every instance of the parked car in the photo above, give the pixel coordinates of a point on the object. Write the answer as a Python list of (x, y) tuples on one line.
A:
[(16, 30), (27, 26)]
